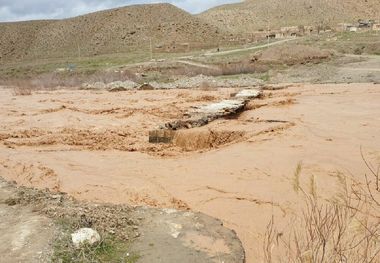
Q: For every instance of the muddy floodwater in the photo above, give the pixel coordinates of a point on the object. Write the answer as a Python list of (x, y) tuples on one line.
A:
[(94, 146)]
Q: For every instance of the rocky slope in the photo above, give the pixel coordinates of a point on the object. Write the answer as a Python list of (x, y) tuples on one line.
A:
[(110, 31), (252, 15)]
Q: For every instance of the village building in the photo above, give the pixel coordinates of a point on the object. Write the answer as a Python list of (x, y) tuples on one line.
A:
[(342, 27), (365, 23), (290, 31)]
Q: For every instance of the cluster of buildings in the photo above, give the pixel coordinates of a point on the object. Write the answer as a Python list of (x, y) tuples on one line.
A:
[(283, 32), (362, 24), (295, 31), (292, 31)]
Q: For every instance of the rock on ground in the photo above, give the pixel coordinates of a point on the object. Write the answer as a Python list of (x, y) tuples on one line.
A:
[(85, 235)]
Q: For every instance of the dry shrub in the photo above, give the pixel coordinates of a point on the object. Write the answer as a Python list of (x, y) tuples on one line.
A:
[(344, 229), (21, 91)]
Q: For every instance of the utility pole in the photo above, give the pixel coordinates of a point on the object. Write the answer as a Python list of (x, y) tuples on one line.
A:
[(150, 33), (78, 50), (151, 48), (268, 28)]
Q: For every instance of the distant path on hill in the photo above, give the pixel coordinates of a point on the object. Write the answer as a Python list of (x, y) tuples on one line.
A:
[(185, 59), (227, 52), (362, 56), (361, 69), (197, 64)]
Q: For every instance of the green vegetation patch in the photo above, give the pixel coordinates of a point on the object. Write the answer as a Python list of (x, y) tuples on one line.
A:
[(109, 249)]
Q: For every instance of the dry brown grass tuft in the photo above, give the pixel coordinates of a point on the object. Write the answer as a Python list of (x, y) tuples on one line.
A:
[(343, 229), (296, 178)]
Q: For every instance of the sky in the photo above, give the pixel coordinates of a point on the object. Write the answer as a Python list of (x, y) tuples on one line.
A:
[(19, 10)]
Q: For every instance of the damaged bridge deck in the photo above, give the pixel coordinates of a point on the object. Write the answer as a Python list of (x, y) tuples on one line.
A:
[(202, 115)]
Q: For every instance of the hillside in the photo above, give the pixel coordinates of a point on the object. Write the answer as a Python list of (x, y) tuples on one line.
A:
[(252, 15), (110, 31)]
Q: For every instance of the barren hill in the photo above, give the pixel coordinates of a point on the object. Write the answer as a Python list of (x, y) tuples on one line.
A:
[(110, 31), (252, 15)]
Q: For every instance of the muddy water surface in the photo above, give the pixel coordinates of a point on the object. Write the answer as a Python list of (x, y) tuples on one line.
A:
[(94, 145)]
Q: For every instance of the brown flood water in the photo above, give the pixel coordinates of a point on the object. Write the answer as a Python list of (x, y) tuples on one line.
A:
[(93, 145)]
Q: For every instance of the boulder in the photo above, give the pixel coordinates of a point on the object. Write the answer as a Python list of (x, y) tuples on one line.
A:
[(85, 235)]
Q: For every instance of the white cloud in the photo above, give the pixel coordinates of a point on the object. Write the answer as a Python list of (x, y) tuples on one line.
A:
[(18, 10)]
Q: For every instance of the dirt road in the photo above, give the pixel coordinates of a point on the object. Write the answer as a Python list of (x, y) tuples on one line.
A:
[(25, 235), (93, 145), (227, 52)]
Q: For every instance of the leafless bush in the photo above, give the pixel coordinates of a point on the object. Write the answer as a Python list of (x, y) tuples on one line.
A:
[(345, 229)]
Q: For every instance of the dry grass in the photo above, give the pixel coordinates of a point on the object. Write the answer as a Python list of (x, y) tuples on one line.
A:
[(342, 229), (217, 69), (109, 249), (292, 55), (296, 178), (55, 80)]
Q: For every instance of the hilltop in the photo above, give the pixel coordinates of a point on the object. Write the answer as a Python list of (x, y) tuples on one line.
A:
[(252, 15), (112, 31), (166, 28)]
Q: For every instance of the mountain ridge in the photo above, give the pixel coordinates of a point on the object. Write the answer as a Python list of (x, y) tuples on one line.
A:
[(251, 15), (109, 31)]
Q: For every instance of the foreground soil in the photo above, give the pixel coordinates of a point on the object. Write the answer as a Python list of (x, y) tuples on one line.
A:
[(26, 236), (36, 226), (93, 145)]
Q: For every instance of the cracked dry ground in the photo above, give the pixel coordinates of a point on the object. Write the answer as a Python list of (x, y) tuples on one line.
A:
[(94, 146)]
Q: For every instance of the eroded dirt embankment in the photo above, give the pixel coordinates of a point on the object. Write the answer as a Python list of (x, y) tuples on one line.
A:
[(240, 170), (36, 226)]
